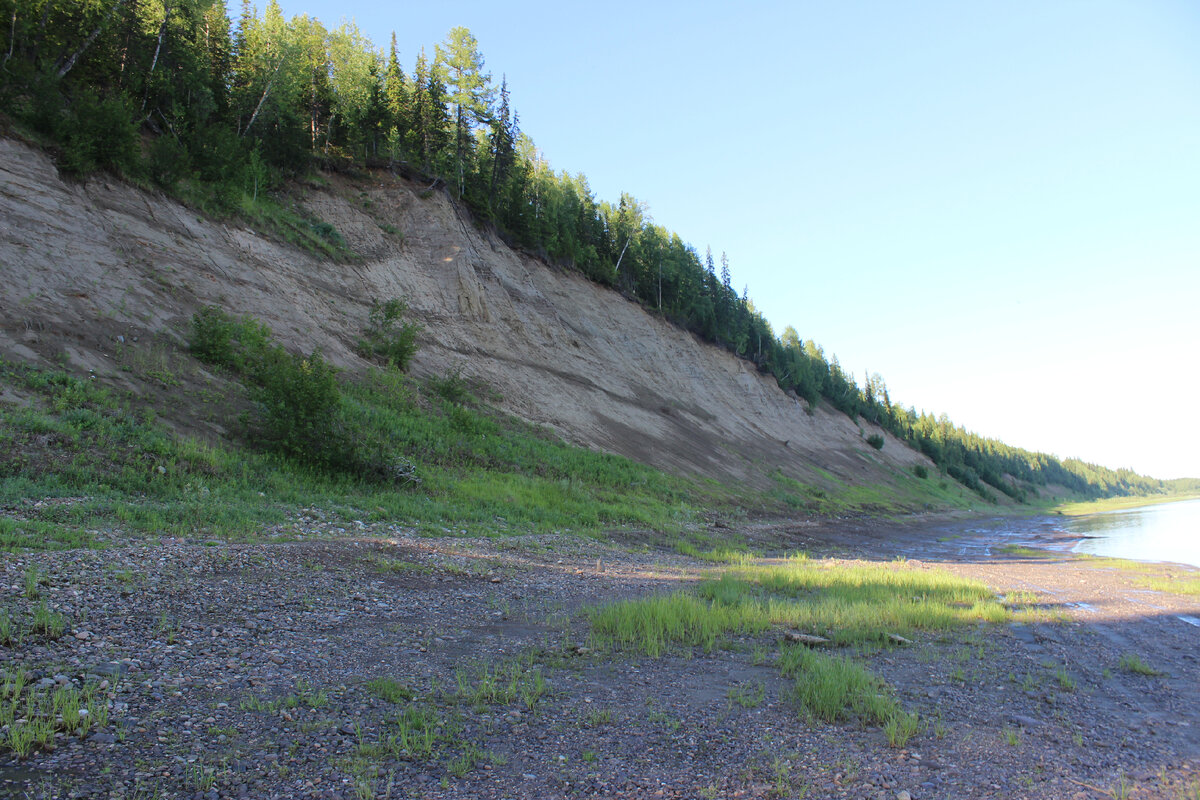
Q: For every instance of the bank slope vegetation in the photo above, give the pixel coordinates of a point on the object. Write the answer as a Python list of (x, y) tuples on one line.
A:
[(224, 115)]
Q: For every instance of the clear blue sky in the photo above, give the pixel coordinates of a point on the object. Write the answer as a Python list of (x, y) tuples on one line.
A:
[(995, 205)]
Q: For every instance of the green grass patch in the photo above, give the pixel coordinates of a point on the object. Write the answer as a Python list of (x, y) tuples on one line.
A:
[(390, 689), (851, 605), (1024, 552), (1186, 584), (833, 688), (1131, 662), (1108, 562), (656, 625), (303, 697), (107, 466), (716, 555), (747, 695), (31, 717), (861, 605), (513, 681), (268, 214), (831, 495)]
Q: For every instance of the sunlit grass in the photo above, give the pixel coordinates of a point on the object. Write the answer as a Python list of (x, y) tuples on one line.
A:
[(1146, 574), (716, 555), (854, 604), (1025, 552), (863, 605), (1108, 562), (655, 625), (824, 493), (1185, 584)]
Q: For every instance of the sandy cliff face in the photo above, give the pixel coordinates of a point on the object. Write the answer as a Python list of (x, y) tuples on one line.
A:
[(89, 269)]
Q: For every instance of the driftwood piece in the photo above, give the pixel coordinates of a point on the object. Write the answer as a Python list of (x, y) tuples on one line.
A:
[(805, 638)]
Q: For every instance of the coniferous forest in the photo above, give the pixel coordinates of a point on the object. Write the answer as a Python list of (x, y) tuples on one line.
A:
[(222, 114)]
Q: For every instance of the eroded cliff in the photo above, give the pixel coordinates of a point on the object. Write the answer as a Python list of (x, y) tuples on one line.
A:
[(91, 273)]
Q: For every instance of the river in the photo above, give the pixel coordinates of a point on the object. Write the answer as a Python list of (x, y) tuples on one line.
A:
[(1163, 532)]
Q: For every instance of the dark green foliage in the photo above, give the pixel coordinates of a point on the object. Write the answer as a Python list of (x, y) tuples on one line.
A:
[(452, 388), (299, 408), (168, 161), (99, 133), (921, 471), (389, 335), (876, 441), (329, 234), (297, 399), (235, 343)]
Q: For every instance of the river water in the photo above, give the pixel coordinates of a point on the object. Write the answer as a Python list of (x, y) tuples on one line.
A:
[(1164, 532)]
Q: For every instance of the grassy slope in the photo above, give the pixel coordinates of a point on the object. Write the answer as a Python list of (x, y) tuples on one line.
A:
[(102, 463)]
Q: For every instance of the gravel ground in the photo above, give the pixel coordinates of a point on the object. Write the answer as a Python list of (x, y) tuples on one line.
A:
[(244, 670)]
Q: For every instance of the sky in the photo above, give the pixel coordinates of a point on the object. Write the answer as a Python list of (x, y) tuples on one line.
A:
[(994, 205)]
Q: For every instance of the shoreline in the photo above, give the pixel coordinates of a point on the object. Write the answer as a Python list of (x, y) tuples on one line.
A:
[(1112, 504), (1050, 534)]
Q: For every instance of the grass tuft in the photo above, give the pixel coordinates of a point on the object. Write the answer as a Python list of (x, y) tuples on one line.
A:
[(1131, 662), (390, 690)]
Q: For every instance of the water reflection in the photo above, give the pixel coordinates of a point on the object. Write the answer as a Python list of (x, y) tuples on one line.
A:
[(1167, 532), (1115, 521)]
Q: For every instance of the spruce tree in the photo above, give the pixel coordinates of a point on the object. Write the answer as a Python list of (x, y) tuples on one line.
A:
[(397, 100)]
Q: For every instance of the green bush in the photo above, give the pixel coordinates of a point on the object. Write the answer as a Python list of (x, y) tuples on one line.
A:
[(299, 405), (300, 410), (453, 388), (329, 234), (236, 343), (99, 133), (920, 471), (876, 441), (168, 161), (389, 336)]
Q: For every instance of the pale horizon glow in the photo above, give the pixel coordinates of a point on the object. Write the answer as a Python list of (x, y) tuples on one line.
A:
[(995, 206)]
